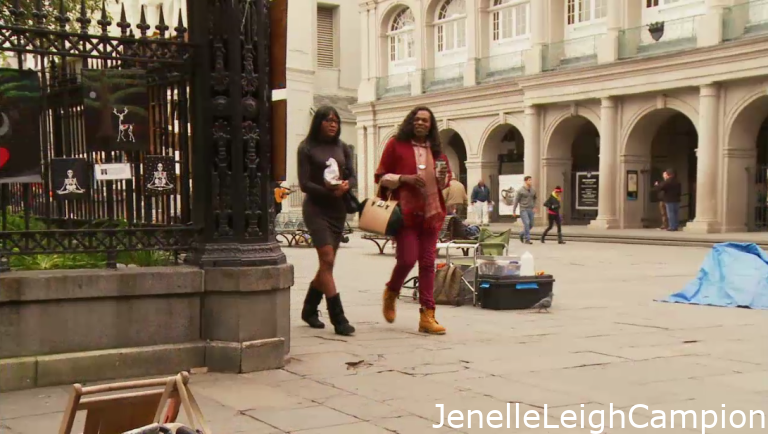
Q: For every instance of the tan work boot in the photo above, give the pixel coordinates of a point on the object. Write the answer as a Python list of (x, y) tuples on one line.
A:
[(428, 323), (389, 305)]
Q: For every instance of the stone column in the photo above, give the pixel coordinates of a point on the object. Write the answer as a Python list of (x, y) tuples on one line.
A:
[(709, 28), (532, 142), (608, 46), (366, 92), (606, 214), (470, 71), (532, 57), (707, 156)]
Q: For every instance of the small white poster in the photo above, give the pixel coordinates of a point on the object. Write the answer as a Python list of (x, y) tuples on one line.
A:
[(508, 186)]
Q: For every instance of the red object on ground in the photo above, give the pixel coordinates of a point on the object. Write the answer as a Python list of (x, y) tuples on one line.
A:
[(5, 155)]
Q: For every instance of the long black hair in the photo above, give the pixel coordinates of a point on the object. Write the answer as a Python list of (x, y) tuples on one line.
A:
[(316, 127), (405, 132)]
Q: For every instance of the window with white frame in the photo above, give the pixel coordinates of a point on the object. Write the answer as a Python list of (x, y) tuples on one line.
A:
[(655, 3), (509, 19), (451, 26), (584, 11), (401, 45)]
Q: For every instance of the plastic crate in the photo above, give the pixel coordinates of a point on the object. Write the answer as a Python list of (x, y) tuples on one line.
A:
[(513, 292)]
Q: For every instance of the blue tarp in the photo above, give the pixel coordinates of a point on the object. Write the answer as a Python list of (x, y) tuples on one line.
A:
[(732, 275)]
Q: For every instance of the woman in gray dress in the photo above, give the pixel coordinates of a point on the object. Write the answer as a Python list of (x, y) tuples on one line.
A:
[(325, 212)]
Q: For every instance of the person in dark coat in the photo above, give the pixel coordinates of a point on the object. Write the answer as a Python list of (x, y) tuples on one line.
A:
[(553, 206), (672, 192), (325, 212)]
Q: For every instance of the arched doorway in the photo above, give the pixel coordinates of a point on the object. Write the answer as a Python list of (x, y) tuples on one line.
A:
[(662, 139), (573, 162), (746, 169), (456, 151), (505, 148)]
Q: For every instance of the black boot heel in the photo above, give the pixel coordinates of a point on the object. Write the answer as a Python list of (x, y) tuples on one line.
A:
[(336, 313), (310, 312)]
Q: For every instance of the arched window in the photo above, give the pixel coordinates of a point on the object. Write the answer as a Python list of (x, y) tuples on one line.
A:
[(510, 19), (401, 36), (451, 26)]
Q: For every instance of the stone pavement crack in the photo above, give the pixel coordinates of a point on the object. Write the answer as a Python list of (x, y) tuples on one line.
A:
[(642, 325), (587, 365), (243, 413), (602, 354)]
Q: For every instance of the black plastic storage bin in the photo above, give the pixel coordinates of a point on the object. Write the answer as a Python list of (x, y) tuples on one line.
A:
[(513, 292)]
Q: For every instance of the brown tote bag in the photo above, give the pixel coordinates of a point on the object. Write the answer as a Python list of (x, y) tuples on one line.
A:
[(381, 217)]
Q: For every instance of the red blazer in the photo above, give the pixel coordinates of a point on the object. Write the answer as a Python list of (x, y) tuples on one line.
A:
[(398, 158)]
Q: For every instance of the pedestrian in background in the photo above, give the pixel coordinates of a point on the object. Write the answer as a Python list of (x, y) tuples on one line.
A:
[(455, 196), (672, 192), (481, 200), (553, 204), (526, 199)]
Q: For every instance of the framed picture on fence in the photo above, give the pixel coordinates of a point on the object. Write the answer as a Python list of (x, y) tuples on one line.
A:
[(70, 178), (159, 175), (116, 114), (20, 110)]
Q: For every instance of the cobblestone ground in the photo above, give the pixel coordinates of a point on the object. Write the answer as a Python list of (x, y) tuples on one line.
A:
[(605, 342)]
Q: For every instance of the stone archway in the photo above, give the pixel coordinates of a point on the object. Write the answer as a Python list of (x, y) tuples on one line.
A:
[(504, 151), (572, 161), (659, 140), (456, 151), (746, 168)]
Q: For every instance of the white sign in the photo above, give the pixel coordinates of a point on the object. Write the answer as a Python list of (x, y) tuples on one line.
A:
[(508, 186), (113, 171)]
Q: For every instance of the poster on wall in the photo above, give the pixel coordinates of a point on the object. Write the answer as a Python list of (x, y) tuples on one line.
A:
[(70, 178), (159, 175), (20, 149), (508, 186), (632, 184), (116, 110), (587, 188)]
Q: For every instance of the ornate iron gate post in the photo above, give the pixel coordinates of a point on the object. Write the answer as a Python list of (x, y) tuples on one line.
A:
[(231, 133), (246, 304)]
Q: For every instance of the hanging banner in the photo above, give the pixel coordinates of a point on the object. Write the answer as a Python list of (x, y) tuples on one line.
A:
[(587, 188), (159, 175), (20, 149), (508, 186), (70, 178), (116, 111)]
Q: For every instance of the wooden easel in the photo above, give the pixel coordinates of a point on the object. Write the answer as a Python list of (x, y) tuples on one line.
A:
[(118, 413)]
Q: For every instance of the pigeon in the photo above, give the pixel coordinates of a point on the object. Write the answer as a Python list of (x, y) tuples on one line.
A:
[(544, 304)]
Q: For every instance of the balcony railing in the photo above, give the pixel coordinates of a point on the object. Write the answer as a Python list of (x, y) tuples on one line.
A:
[(393, 85), (746, 19), (500, 67), (444, 77), (658, 38), (571, 53)]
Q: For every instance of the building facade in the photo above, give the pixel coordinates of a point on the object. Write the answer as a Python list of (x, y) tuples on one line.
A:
[(567, 91)]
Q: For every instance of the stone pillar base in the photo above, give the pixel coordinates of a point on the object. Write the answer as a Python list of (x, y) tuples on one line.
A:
[(246, 316), (604, 223), (702, 227), (240, 358)]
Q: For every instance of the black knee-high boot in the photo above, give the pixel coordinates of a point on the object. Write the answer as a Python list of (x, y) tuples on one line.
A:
[(336, 313), (310, 312)]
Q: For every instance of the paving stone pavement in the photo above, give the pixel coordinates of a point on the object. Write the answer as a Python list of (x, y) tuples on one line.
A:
[(605, 342)]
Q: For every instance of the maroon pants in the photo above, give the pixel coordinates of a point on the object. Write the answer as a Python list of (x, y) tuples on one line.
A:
[(416, 244)]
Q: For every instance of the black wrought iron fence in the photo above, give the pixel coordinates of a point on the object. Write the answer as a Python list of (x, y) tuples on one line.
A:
[(97, 159)]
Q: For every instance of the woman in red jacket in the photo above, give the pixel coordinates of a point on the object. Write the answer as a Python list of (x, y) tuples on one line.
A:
[(414, 168)]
